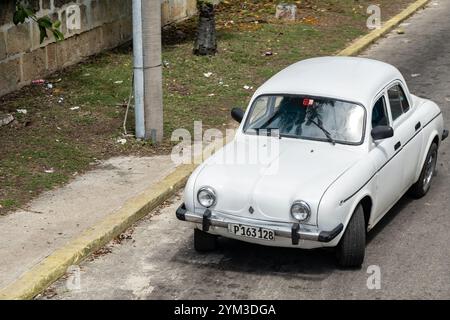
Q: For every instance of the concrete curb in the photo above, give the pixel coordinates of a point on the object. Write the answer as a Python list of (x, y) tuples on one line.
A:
[(55, 265), (365, 41)]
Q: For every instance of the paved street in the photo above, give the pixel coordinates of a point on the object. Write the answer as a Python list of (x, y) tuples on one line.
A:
[(410, 245)]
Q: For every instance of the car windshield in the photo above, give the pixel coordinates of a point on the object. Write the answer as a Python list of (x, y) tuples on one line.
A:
[(307, 118)]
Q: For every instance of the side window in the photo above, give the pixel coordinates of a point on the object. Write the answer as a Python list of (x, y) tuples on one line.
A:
[(398, 101), (379, 113), (403, 100), (259, 110)]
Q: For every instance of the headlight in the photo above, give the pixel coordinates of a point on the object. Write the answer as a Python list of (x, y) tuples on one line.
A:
[(206, 196), (300, 211)]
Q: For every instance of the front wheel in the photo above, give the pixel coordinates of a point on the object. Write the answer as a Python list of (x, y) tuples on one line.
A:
[(352, 247), (421, 187)]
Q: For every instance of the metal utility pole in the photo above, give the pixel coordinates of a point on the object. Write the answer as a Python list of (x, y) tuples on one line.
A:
[(148, 69)]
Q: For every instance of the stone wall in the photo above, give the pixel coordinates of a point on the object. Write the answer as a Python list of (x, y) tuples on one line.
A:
[(104, 24)]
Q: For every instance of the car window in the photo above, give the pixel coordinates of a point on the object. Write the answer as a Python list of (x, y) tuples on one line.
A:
[(379, 113), (260, 108), (403, 100), (303, 117), (398, 101)]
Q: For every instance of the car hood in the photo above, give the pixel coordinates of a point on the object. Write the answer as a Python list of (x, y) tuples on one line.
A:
[(295, 170)]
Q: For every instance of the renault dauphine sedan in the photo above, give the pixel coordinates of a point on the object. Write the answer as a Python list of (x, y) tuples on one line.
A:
[(350, 141)]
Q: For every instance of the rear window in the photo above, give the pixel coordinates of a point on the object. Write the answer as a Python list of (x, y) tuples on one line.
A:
[(398, 101)]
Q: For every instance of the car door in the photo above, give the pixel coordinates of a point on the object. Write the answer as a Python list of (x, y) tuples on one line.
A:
[(387, 160), (408, 129)]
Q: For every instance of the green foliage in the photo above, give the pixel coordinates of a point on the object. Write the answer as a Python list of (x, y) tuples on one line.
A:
[(45, 24)]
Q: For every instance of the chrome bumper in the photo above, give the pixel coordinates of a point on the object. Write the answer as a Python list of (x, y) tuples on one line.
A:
[(295, 231)]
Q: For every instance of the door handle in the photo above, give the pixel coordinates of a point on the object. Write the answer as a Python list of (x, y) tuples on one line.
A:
[(418, 125), (397, 145)]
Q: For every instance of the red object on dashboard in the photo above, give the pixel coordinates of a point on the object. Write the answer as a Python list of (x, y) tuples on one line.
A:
[(308, 102)]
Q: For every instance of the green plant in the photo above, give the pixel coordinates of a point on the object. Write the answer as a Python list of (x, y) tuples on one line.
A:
[(45, 24)]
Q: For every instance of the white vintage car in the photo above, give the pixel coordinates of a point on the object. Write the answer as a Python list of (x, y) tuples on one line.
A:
[(352, 141)]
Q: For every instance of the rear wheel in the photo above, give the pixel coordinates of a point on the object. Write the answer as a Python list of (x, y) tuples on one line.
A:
[(352, 247), (203, 241), (422, 186)]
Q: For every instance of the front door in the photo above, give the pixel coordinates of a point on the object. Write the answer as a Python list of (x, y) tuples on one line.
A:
[(387, 158)]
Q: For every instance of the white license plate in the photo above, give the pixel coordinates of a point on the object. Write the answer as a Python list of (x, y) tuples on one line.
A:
[(251, 232)]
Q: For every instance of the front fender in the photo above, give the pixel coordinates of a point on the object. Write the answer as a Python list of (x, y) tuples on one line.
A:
[(341, 199), (189, 190)]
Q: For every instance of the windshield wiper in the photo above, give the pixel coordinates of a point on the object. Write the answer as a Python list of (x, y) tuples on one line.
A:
[(327, 134)]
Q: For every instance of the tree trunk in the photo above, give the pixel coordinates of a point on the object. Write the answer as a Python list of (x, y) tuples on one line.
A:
[(206, 44)]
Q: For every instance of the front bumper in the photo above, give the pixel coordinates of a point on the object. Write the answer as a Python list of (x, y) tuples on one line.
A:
[(295, 231)]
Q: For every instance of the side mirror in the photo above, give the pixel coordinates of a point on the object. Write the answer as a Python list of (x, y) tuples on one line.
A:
[(382, 132), (237, 114)]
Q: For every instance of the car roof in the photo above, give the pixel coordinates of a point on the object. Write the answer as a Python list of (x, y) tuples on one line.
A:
[(344, 78)]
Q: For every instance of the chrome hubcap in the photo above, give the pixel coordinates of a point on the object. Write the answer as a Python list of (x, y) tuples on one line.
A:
[(429, 170)]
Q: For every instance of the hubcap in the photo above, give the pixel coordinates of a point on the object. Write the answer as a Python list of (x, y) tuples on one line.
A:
[(429, 170)]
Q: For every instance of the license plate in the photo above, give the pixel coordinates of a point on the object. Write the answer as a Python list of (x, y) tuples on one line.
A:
[(251, 232)]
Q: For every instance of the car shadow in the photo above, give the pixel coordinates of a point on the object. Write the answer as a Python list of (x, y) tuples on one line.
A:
[(389, 217), (239, 256), (313, 265)]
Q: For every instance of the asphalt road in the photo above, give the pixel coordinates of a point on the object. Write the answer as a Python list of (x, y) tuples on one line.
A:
[(410, 245)]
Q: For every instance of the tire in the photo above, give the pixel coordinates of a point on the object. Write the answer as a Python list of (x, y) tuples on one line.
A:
[(352, 247), (422, 186), (204, 242)]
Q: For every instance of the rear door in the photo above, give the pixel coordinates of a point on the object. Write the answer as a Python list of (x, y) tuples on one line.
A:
[(408, 130)]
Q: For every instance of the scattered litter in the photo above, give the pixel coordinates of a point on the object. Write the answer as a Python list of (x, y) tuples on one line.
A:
[(22, 111), (51, 170), (248, 88), (118, 82), (286, 12), (400, 31), (211, 95), (49, 86), (57, 81), (447, 99), (220, 83), (86, 75), (208, 74), (6, 119), (415, 75), (38, 81), (74, 108), (226, 85), (121, 141), (58, 128), (166, 64), (61, 100), (268, 54), (405, 24)]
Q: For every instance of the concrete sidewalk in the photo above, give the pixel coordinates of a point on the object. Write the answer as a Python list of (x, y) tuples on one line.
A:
[(47, 223)]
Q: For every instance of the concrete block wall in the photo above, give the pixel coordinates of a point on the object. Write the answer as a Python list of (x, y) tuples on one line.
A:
[(105, 24)]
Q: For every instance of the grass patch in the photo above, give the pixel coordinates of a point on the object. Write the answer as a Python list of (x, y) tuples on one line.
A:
[(79, 120)]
